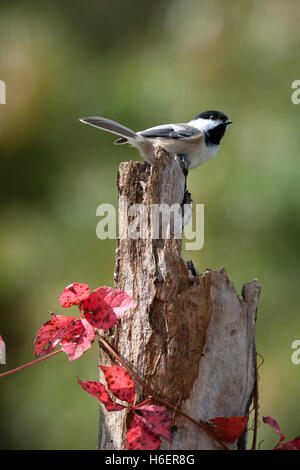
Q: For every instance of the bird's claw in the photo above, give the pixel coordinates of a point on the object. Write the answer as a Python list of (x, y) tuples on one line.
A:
[(183, 159)]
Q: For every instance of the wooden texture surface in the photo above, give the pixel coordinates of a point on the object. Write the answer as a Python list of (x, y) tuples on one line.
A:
[(191, 337)]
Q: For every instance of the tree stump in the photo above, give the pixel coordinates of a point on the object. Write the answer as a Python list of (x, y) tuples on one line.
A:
[(191, 337)]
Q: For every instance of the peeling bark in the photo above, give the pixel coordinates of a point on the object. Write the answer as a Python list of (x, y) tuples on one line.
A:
[(191, 337)]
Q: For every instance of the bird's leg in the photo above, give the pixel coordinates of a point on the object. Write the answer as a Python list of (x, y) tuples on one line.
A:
[(183, 159)]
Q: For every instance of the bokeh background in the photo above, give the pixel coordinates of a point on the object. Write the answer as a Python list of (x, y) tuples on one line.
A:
[(142, 63)]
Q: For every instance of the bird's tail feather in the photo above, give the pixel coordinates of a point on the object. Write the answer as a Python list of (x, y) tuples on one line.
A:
[(110, 126)]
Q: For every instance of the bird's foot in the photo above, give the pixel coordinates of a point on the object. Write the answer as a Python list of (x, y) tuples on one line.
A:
[(183, 159)]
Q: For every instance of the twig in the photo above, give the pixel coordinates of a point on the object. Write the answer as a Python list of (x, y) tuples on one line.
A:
[(12, 371), (142, 403)]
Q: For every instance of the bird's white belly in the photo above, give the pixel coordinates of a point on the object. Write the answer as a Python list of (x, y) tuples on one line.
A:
[(195, 150), (200, 157)]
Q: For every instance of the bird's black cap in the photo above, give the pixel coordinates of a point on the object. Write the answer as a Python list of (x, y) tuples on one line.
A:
[(214, 115)]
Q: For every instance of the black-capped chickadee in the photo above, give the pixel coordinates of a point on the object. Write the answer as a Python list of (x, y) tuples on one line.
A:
[(194, 142)]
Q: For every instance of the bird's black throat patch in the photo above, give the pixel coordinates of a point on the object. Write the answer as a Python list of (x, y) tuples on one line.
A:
[(214, 136)]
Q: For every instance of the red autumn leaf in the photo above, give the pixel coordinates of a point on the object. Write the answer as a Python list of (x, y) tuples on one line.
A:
[(119, 301), (295, 442), (157, 419), (105, 305), (119, 382), (2, 351), (290, 445), (51, 333), (102, 319), (274, 425), (74, 294), (72, 330), (230, 429), (78, 340), (97, 312), (98, 390), (139, 437)]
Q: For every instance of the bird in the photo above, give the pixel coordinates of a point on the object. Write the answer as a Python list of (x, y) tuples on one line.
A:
[(195, 142)]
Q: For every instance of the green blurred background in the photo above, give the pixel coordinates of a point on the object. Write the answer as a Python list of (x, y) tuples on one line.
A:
[(142, 63)]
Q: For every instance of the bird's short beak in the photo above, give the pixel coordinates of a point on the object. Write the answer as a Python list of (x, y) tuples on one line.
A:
[(228, 121)]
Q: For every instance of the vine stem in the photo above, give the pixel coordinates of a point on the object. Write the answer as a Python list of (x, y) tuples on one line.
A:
[(12, 371), (142, 403), (200, 424)]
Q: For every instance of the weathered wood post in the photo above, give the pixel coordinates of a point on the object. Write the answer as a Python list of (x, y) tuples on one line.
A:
[(191, 337)]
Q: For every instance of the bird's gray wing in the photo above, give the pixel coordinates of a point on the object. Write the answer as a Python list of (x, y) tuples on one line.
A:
[(171, 131)]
